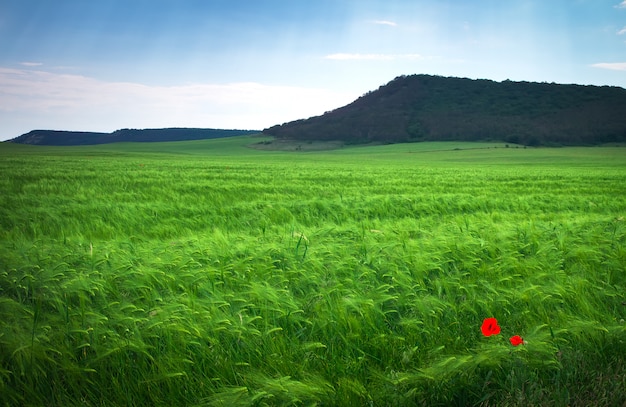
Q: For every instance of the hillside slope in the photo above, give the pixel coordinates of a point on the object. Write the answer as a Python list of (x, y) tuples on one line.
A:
[(434, 108), (71, 138)]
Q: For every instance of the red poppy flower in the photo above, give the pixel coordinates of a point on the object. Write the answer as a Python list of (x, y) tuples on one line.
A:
[(490, 327), (516, 340)]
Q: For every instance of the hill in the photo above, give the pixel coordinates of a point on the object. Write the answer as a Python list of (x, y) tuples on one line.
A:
[(71, 138), (435, 108)]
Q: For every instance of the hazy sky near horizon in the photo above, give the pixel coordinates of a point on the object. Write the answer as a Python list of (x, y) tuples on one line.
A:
[(105, 65)]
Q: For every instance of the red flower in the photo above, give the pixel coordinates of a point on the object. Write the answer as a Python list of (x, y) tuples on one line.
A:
[(490, 327), (516, 340)]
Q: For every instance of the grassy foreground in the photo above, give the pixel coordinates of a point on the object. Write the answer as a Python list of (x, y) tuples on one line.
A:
[(209, 274)]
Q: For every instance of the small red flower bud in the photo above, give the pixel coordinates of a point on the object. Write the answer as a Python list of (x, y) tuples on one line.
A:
[(516, 340)]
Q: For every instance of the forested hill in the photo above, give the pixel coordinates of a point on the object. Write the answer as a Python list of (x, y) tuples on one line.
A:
[(432, 108), (71, 138)]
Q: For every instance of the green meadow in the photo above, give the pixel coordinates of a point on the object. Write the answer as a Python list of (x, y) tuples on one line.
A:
[(208, 273)]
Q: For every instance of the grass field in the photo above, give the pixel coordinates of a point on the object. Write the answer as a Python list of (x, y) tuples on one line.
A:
[(207, 273)]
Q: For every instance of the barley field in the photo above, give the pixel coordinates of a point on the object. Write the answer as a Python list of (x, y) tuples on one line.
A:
[(207, 273)]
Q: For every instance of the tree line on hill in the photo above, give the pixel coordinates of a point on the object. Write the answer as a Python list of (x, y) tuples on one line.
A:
[(435, 108), (70, 138)]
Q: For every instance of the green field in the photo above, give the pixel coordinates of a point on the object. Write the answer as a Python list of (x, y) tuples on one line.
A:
[(207, 273)]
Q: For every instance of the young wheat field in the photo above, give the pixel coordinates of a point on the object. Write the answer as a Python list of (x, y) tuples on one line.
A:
[(207, 273)]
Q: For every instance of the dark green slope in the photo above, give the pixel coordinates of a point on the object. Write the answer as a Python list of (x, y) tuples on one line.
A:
[(71, 138), (434, 108)]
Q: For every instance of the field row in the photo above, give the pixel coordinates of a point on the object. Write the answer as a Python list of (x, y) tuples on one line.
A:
[(131, 278)]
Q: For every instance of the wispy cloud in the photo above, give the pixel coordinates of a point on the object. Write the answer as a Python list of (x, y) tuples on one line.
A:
[(387, 22), (621, 5), (613, 66), (622, 31), (31, 64), (371, 57), (62, 101)]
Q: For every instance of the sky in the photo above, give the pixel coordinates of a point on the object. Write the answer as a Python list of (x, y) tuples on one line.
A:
[(250, 64)]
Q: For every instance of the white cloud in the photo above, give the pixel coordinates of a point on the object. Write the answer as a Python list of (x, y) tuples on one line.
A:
[(622, 31), (31, 64), (614, 66), (385, 22), (371, 57), (621, 5), (39, 99)]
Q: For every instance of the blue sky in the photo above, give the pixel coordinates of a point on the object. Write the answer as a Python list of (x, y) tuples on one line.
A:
[(110, 64)]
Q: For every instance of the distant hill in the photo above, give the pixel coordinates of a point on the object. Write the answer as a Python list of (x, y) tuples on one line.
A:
[(72, 138), (435, 108)]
